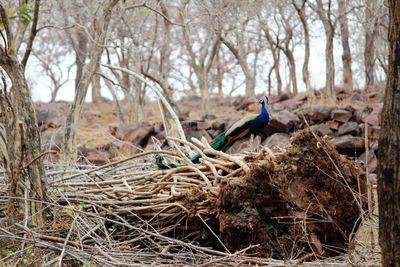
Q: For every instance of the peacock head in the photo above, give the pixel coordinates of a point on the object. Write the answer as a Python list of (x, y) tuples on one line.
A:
[(264, 100)]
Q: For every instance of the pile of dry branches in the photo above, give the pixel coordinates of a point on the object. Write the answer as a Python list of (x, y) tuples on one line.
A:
[(130, 212)]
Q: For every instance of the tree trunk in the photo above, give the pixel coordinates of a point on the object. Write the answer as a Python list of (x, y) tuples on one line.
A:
[(389, 147), (275, 55), (96, 89), (329, 59), (344, 35), (330, 69), (292, 70), (371, 30), (301, 11), (26, 172), (69, 151)]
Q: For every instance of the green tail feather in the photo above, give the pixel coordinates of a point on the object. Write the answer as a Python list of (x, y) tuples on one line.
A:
[(217, 143)]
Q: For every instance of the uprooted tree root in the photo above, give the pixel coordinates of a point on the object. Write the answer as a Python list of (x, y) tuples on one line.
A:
[(306, 200)]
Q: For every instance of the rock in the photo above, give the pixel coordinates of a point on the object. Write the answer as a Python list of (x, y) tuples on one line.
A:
[(350, 127), (277, 107), (321, 129), (360, 113), (340, 115), (349, 144), (283, 120), (291, 103), (219, 125), (51, 115), (203, 125), (276, 140), (372, 119), (137, 134), (317, 113), (333, 125), (371, 160), (97, 157)]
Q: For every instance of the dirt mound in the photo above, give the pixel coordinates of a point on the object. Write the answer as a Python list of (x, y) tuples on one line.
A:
[(308, 199)]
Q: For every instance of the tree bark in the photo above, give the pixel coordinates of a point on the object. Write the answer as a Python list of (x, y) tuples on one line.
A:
[(344, 35), (329, 59), (389, 147), (275, 55), (69, 151), (301, 11), (25, 169), (96, 89)]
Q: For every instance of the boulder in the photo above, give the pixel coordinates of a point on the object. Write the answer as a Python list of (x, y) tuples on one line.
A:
[(276, 140), (51, 115), (350, 127), (372, 119), (340, 115), (371, 160), (321, 129), (349, 144), (316, 113), (284, 120), (291, 103), (137, 134), (333, 125)]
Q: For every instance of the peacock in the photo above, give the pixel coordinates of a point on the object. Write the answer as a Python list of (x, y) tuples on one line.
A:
[(250, 125)]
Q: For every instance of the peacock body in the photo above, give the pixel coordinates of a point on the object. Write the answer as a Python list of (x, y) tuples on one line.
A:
[(252, 124)]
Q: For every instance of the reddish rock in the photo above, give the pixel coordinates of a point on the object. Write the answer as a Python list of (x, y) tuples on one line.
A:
[(203, 125), (283, 120), (291, 103), (340, 115), (321, 129), (360, 113), (350, 127), (219, 125), (333, 125), (349, 144), (372, 119), (97, 157), (316, 113), (137, 134), (51, 115), (276, 140), (371, 160)]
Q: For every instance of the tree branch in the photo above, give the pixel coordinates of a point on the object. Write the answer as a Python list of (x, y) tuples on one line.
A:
[(33, 33)]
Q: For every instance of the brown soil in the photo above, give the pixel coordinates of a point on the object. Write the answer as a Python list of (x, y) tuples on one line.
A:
[(305, 200)]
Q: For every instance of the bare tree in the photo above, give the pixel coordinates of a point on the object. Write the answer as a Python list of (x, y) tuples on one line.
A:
[(326, 17), (301, 12), (373, 13), (99, 41), (344, 35), (24, 167), (389, 147), (201, 59)]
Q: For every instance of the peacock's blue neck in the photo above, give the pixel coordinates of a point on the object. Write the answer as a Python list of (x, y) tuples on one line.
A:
[(264, 116)]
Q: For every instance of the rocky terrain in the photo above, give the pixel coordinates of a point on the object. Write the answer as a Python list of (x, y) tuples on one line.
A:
[(102, 139)]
